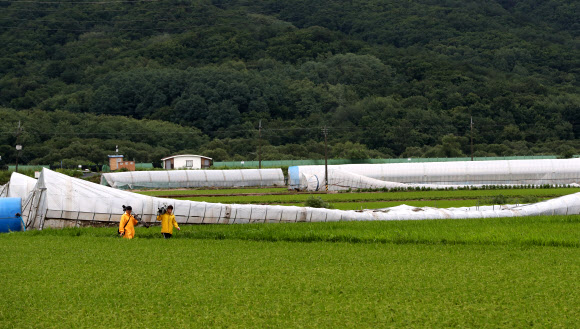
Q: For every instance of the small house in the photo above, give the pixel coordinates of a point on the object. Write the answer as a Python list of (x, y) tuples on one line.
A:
[(187, 161), (116, 162)]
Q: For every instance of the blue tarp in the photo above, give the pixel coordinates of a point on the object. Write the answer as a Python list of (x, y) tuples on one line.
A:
[(10, 210)]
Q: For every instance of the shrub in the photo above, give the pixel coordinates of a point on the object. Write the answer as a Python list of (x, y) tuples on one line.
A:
[(317, 202), (70, 172), (529, 199)]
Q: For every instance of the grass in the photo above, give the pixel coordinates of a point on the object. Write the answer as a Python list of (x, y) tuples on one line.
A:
[(5, 175), (374, 200), (422, 203), (386, 204), (494, 273), (354, 196), (391, 196), (213, 191), (539, 231)]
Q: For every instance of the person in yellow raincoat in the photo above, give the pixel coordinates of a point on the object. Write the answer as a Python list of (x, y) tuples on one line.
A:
[(167, 222), (127, 224)]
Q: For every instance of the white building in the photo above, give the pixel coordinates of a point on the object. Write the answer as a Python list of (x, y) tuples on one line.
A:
[(187, 161)]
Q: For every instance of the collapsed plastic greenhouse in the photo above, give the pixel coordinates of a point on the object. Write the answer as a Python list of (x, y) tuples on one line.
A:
[(61, 201), (19, 186), (462, 173), (194, 178)]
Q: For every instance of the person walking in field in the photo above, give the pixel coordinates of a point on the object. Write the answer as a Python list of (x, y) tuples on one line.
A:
[(127, 224), (167, 222)]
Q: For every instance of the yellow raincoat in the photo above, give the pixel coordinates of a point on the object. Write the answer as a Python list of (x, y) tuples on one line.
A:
[(167, 223), (129, 230)]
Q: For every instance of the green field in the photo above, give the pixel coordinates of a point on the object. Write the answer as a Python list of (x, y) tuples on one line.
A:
[(386, 204), (213, 191), (374, 200), (517, 272)]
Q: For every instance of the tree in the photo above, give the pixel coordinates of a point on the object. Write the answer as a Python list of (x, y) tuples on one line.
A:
[(451, 145)]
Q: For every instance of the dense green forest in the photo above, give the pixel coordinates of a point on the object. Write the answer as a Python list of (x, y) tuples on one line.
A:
[(389, 78)]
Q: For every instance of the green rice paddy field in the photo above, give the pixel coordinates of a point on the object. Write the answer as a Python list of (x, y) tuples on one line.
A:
[(491, 273), (370, 200), (478, 273)]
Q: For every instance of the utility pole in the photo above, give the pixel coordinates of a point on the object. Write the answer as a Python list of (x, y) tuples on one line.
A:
[(325, 132), (471, 138), (18, 146), (260, 144)]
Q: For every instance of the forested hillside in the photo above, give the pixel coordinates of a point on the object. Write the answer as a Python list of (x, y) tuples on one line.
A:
[(389, 78)]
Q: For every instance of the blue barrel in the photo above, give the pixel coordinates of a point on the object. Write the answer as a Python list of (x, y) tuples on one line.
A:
[(10, 210)]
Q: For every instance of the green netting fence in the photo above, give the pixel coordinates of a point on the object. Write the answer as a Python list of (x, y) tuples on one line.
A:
[(288, 163), (105, 168), (27, 167)]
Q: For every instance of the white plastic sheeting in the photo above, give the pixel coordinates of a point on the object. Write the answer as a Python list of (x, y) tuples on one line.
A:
[(342, 180), (61, 201), (497, 172), (194, 178), (19, 186)]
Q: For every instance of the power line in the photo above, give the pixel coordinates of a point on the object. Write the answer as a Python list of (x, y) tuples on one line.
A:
[(110, 28), (18, 146), (471, 126), (93, 30), (185, 15), (325, 132), (92, 10), (133, 10), (63, 10), (225, 130), (260, 145), (113, 28), (89, 21), (113, 21), (146, 3), (78, 2), (239, 4), (200, 132)]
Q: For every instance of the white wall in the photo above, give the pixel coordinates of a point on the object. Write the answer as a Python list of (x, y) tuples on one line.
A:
[(181, 162)]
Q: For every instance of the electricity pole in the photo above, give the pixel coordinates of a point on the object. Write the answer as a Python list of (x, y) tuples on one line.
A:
[(471, 138), (260, 144), (18, 146), (325, 132)]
